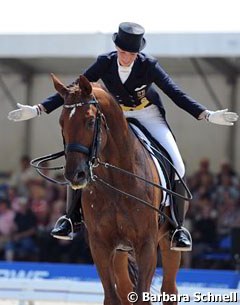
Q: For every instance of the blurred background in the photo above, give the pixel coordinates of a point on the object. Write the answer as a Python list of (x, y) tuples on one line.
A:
[(198, 44)]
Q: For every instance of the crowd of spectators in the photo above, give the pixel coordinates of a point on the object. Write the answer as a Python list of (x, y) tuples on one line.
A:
[(213, 216), (30, 206)]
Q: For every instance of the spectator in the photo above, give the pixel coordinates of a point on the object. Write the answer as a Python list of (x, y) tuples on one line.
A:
[(226, 187), (38, 203), (7, 227), (205, 227), (203, 169), (228, 216), (23, 240), (204, 233), (23, 176), (227, 170), (202, 181)]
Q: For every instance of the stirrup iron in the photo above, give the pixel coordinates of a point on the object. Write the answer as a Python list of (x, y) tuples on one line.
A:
[(58, 222), (173, 248)]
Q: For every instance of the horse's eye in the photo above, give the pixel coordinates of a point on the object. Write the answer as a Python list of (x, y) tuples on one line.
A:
[(91, 123)]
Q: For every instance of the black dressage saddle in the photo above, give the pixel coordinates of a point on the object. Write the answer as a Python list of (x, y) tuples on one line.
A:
[(157, 150)]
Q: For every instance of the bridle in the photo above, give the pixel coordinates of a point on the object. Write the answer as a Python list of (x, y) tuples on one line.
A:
[(93, 151)]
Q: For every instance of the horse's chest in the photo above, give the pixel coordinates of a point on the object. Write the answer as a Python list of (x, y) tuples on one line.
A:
[(114, 218)]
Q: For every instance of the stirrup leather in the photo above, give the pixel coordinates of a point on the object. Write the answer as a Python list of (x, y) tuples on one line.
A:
[(172, 247), (58, 223)]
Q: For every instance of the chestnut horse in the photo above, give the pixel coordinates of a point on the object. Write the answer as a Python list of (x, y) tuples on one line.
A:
[(97, 134)]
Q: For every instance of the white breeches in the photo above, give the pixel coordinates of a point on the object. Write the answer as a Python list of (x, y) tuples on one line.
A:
[(153, 121)]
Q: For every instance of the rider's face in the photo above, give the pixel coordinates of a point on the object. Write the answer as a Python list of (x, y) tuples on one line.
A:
[(126, 58)]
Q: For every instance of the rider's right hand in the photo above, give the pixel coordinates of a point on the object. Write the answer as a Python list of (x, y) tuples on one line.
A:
[(24, 112)]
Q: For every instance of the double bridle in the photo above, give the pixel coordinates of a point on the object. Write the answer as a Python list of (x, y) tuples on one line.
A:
[(93, 151)]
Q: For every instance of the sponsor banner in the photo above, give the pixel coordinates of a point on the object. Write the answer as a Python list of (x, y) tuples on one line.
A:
[(48, 271), (203, 278), (187, 278)]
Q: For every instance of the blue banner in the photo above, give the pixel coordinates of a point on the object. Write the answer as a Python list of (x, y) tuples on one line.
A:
[(203, 278), (188, 278), (48, 271)]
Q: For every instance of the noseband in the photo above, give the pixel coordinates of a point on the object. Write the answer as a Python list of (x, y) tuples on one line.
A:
[(91, 152)]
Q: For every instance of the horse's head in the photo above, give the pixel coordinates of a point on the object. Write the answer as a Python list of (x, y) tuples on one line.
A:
[(80, 121)]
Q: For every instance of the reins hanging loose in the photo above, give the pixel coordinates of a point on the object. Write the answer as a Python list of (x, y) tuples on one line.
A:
[(36, 163), (148, 204)]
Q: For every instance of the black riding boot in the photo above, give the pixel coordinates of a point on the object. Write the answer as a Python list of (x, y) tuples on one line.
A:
[(181, 238), (69, 223)]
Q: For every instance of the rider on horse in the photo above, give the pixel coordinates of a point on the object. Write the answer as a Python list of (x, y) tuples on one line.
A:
[(129, 76)]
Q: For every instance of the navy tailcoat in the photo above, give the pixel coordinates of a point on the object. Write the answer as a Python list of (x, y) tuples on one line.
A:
[(146, 71)]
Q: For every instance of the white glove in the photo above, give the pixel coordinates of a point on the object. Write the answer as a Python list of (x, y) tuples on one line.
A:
[(221, 117), (24, 112)]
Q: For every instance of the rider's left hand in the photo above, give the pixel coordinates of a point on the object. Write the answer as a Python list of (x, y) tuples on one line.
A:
[(222, 117)]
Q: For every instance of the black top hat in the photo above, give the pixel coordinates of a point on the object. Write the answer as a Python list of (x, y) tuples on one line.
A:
[(130, 37)]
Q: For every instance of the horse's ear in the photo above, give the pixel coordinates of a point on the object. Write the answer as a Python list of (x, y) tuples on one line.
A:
[(85, 85), (59, 86)]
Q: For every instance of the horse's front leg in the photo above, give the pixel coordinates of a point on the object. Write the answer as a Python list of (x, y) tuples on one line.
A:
[(146, 257), (102, 256), (123, 281)]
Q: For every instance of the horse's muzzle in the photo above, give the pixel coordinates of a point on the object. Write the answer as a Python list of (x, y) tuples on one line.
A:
[(79, 178)]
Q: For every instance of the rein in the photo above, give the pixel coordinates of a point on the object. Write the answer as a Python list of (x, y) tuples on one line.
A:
[(36, 163), (108, 165)]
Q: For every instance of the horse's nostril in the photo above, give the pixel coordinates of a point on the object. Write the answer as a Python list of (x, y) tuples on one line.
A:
[(81, 176)]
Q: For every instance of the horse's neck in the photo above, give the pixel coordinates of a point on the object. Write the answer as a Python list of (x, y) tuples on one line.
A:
[(121, 142), (121, 145)]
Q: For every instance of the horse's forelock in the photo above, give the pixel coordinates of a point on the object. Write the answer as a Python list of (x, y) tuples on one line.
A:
[(74, 89), (74, 93)]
